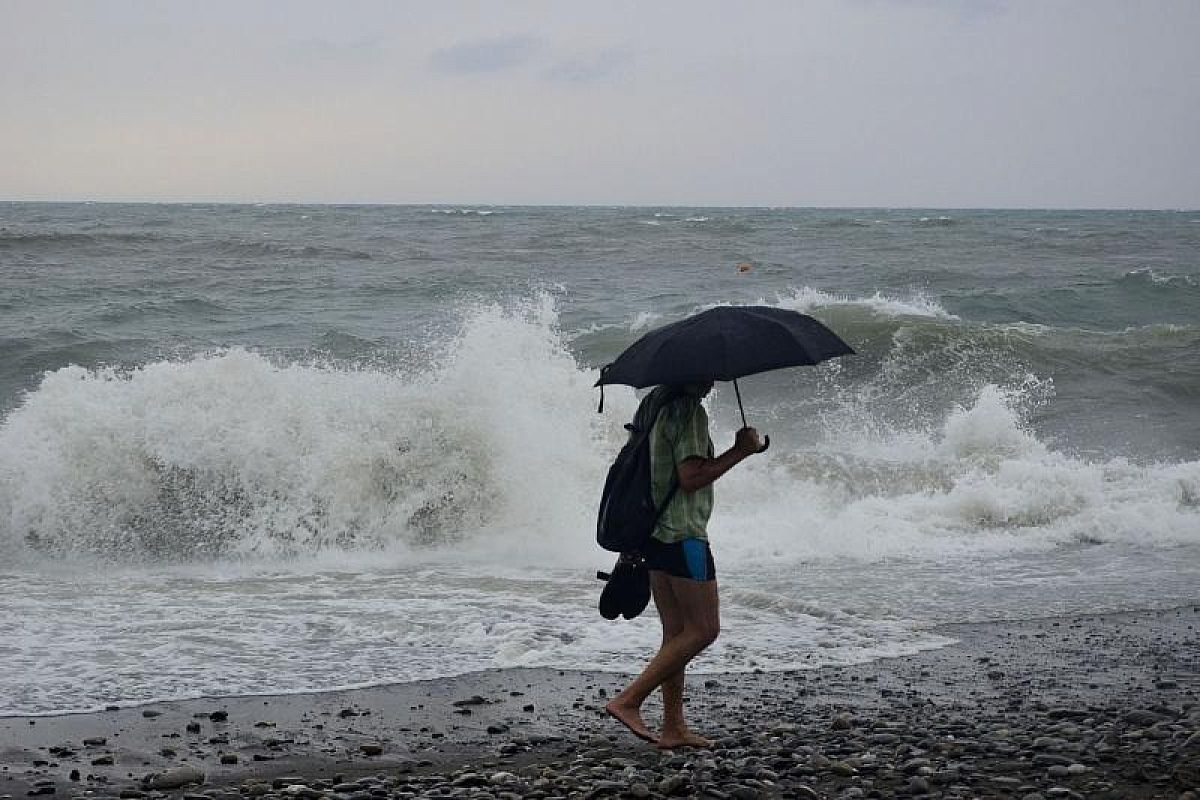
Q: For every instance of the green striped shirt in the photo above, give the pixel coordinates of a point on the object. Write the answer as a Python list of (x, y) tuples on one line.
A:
[(681, 432)]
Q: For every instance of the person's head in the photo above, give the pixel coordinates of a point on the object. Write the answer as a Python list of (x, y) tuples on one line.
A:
[(695, 389)]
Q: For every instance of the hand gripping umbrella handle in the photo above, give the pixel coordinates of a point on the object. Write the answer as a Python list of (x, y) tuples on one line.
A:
[(766, 439)]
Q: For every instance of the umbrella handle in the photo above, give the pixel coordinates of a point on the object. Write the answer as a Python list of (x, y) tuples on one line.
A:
[(766, 439)]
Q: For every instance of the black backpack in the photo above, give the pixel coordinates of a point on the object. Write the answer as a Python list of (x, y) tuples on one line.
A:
[(627, 511)]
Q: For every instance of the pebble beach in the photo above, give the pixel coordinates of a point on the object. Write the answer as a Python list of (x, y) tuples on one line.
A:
[(1069, 707)]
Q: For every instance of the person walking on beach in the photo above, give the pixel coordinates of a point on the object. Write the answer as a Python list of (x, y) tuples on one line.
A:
[(682, 574)]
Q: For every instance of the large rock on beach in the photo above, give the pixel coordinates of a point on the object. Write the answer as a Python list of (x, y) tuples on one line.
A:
[(1144, 717), (174, 778)]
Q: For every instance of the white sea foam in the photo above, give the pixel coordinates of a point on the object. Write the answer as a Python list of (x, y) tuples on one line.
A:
[(643, 320), (192, 634), (592, 329), (1159, 279), (806, 299), (981, 483), (232, 455)]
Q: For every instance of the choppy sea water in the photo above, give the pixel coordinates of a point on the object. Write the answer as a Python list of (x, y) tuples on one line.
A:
[(281, 448)]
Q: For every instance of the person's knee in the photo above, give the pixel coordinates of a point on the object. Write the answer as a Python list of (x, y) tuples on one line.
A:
[(710, 631), (704, 633), (671, 631)]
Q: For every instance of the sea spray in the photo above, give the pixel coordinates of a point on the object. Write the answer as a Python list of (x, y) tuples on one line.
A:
[(979, 483), (807, 299), (491, 452), (231, 454)]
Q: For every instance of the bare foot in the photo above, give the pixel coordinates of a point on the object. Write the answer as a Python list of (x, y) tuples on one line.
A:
[(631, 718), (669, 740)]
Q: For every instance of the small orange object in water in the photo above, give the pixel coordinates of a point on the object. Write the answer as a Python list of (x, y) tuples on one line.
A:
[(745, 266)]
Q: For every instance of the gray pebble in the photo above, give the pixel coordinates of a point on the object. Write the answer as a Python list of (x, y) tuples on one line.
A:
[(675, 784), (173, 778)]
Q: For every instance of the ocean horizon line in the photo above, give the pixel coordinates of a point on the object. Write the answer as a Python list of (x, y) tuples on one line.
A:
[(455, 204)]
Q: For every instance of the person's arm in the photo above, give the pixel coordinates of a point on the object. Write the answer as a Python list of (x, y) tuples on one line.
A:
[(695, 473)]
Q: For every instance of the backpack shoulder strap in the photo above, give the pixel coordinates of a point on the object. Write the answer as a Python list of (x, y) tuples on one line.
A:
[(673, 487)]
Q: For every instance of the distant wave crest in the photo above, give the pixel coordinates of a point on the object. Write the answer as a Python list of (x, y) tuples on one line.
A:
[(806, 299), (1152, 277)]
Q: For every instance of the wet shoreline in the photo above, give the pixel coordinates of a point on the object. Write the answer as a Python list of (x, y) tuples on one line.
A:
[(1089, 706)]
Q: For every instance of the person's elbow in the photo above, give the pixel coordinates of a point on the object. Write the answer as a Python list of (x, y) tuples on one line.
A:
[(692, 475)]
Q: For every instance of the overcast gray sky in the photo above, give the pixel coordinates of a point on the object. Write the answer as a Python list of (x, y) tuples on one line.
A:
[(847, 103)]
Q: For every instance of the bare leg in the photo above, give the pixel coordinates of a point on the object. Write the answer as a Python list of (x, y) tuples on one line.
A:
[(672, 620), (672, 692), (672, 624), (679, 600), (675, 732)]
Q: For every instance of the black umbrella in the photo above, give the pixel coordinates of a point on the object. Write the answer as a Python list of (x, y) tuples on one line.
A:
[(723, 344)]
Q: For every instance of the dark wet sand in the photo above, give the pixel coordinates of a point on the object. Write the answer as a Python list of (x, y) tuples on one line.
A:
[(1078, 706)]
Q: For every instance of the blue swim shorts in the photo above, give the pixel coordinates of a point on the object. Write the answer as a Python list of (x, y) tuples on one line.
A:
[(690, 558)]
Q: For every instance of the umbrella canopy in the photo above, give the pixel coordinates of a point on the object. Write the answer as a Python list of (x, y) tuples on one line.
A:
[(724, 344)]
